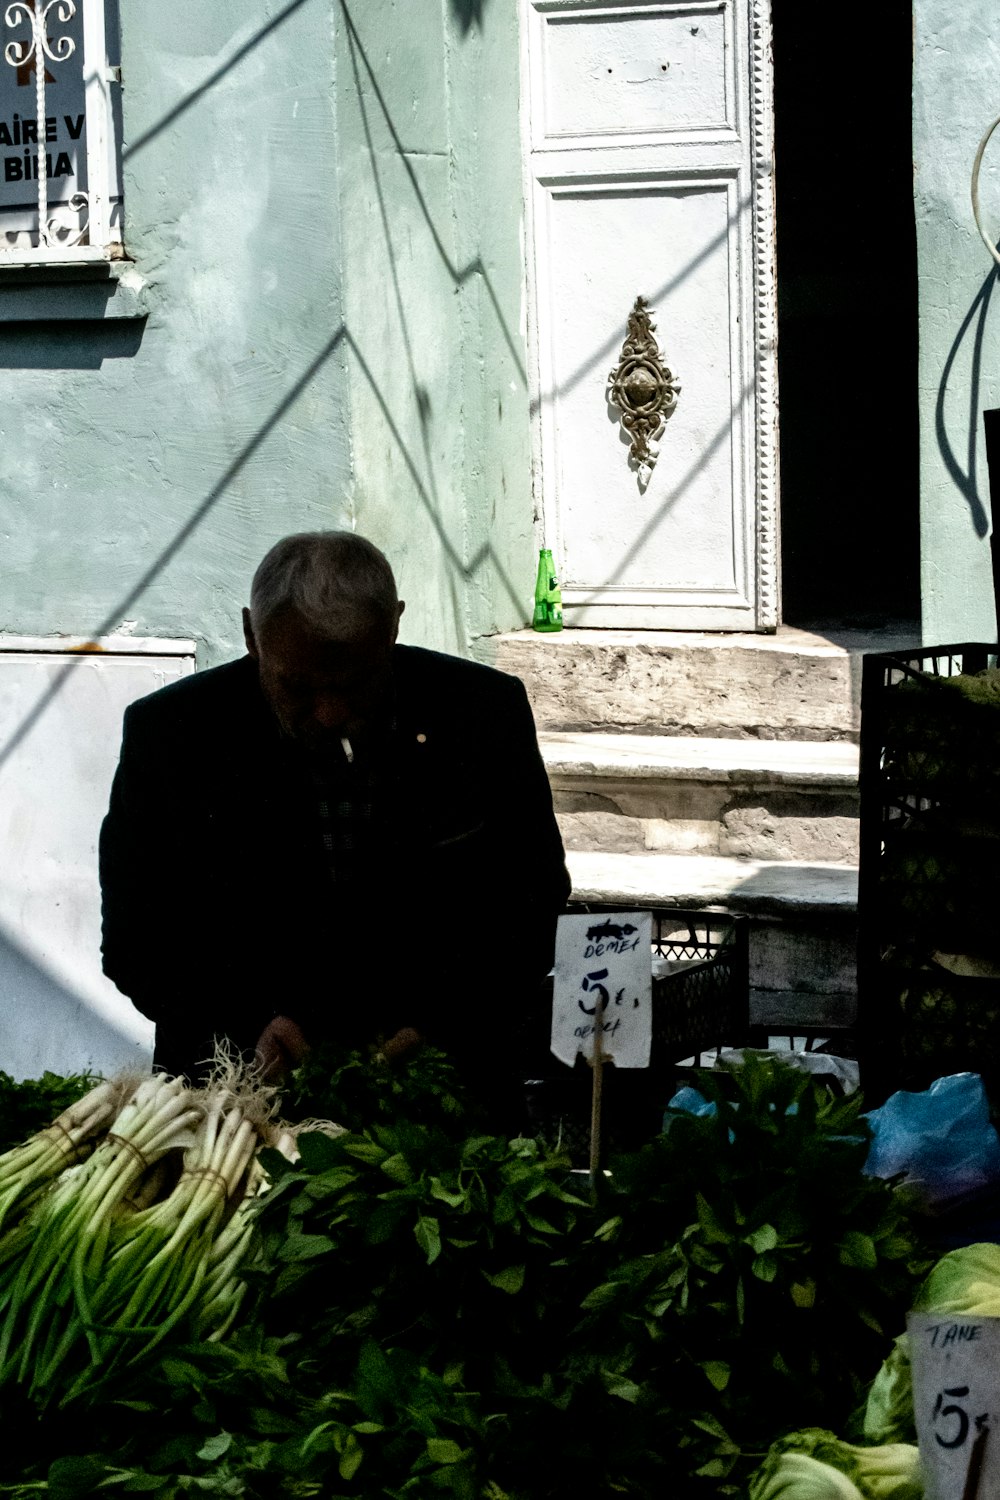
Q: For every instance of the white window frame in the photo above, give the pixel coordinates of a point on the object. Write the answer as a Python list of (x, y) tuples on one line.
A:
[(42, 18)]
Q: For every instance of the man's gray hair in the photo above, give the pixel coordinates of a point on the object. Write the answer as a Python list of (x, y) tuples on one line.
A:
[(333, 579)]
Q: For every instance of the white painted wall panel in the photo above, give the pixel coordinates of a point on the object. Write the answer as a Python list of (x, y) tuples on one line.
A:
[(60, 733), (642, 70), (686, 532)]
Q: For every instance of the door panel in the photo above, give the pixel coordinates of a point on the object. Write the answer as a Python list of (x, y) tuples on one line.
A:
[(630, 72), (681, 532), (650, 176)]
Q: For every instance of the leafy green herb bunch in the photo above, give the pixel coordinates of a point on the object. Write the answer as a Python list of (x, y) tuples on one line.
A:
[(400, 1234), (438, 1309), (30, 1104), (749, 1275), (362, 1089)]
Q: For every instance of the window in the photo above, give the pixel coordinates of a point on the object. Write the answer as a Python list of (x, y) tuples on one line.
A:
[(60, 132)]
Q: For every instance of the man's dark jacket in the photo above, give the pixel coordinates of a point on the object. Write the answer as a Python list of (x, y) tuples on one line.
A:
[(219, 909)]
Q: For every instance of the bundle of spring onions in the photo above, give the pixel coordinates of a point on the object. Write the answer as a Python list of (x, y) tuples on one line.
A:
[(126, 1222)]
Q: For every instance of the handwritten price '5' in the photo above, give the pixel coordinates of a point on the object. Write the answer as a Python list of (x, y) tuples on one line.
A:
[(941, 1411), (592, 982)]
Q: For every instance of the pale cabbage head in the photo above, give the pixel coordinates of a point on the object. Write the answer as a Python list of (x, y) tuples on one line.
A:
[(966, 1280), (796, 1476), (889, 1414), (817, 1465)]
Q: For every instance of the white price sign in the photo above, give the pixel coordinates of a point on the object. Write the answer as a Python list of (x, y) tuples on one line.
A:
[(956, 1400), (603, 988)]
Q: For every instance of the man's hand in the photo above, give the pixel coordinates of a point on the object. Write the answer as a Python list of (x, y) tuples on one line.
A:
[(281, 1046), (404, 1042)]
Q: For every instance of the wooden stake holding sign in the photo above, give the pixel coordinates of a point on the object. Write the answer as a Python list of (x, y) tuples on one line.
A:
[(602, 999)]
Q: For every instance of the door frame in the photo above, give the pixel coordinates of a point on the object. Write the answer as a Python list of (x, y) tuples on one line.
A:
[(548, 169)]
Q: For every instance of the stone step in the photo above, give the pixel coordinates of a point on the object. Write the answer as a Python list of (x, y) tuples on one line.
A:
[(803, 922), (795, 684), (715, 771), (761, 799)]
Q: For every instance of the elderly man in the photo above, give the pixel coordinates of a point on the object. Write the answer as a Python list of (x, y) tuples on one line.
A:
[(334, 838)]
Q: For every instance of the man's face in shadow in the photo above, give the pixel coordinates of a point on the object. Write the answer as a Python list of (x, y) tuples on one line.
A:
[(323, 687)]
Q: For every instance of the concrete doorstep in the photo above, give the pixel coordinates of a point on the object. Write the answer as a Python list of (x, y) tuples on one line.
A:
[(759, 799), (759, 888), (651, 757)]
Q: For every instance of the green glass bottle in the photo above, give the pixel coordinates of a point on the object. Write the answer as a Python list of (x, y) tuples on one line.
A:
[(548, 598)]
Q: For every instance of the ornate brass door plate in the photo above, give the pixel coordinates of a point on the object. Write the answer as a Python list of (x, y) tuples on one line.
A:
[(643, 389)]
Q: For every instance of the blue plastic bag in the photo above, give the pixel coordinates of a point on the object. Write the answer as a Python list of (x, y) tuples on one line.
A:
[(941, 1138), (691, 1102)]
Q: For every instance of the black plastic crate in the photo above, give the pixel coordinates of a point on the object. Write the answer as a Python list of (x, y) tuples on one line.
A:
[(930, 868), (699, 1006)]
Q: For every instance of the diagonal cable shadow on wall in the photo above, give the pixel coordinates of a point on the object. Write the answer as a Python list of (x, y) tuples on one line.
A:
[(475, 267), (426, 487), (215, 77), (639, 541), (469, 13), (966, 479), (485, 554), (190, 526), (342, 336), (427, 491), (458, 274), (466, 569), (429, 494), (612, 345)]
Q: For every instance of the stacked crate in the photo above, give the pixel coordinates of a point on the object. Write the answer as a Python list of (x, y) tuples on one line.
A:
[(929, 935)]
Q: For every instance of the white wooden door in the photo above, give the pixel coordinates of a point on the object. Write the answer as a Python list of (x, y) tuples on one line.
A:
[(648, 147)]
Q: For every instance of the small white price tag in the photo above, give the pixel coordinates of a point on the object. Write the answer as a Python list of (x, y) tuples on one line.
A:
[(603, 981), (956, 1400)]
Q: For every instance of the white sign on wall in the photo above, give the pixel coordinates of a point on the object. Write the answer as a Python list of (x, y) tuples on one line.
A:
[(956, 1401), (61, 135), (603, 987), (60, 733)]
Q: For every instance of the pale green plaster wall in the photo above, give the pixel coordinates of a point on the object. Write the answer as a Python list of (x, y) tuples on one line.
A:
[(283, 379), (956, 94), (286, 376), (145, 468), (431, 192)]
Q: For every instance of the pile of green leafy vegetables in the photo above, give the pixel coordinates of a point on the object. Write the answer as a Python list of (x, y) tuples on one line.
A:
[(29, 1104), (435, 1309)]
